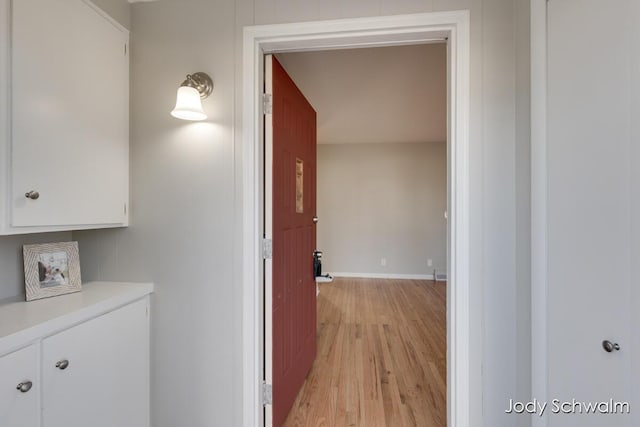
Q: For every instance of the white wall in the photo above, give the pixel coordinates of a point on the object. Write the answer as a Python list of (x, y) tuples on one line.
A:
[(382, 201), (374, 95), (523, 203), (186, 200)]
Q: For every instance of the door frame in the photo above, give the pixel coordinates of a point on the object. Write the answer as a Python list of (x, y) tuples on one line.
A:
[(348, 33), (539, 361)]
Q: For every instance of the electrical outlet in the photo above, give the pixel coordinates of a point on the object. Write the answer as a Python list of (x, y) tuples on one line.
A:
[(383, 262), (429, 262)]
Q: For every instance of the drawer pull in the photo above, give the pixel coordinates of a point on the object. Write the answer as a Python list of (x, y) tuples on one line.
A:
[(24, 386), (62, 365)]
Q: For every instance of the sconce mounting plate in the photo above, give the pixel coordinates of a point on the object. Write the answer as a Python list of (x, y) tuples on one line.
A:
[(201, 82)]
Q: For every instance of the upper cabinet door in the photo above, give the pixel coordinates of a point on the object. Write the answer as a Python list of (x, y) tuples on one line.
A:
[(70, 115)]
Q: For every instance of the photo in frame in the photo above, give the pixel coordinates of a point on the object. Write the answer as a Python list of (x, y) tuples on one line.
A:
[(51, 269)]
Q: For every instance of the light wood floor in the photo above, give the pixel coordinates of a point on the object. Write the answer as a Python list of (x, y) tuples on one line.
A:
[(381, 356)]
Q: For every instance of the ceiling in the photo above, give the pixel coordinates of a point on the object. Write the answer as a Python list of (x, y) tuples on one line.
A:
[(375, 95)]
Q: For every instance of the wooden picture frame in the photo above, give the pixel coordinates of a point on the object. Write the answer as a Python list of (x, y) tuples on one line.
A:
[(51, 269)]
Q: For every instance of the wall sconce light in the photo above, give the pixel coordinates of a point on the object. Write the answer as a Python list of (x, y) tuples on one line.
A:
[(191, 92)]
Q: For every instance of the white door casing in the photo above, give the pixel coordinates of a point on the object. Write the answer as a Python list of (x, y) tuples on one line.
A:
[(361, 32), (539, 204)]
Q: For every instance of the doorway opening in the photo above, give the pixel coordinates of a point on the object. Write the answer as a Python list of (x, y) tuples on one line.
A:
[(381, 227), (379, 31)]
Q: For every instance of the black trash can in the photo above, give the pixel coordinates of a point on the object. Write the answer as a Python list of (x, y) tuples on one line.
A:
[(317, 264)]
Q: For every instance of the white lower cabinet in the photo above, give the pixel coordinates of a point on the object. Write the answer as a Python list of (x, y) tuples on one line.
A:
[(97, 373), (90, 372), (19, 388)]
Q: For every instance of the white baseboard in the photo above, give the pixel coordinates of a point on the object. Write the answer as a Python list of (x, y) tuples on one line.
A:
[(385, 276)]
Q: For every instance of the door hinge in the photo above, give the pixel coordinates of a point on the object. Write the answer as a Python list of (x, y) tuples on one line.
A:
[(267, 394), (267, 248), (267, 103), (125, 209)]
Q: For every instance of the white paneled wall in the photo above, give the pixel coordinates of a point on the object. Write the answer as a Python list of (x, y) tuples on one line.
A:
[(186, 189), (523, 205), (499, 219)]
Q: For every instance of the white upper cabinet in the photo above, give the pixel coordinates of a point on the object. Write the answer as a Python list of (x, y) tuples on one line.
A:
[(66, 140)]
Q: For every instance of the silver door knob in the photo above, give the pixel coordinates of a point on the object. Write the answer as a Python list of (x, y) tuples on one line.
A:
[(33, 195), (315, 220), (25, 386), (610, 346), (62, 365)]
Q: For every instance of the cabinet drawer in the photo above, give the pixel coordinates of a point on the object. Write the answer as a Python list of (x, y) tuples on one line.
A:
[(19, 407)]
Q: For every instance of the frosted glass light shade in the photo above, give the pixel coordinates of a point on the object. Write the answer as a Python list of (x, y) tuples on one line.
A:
[(188, 105)]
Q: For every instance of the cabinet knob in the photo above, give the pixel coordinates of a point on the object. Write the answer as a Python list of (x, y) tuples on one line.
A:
[(62, 365), (33, 195), (610, 346), (24, 386)]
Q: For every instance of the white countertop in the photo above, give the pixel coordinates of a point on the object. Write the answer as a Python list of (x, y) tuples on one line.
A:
[(22, 323)]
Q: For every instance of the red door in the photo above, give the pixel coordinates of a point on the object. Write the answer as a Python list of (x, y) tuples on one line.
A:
[(292, 186)]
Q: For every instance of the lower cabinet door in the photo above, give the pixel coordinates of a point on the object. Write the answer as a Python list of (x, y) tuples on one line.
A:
[(97, 373), (19, 389)]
